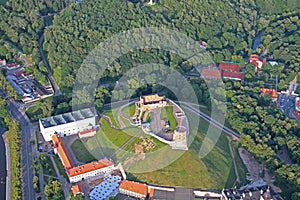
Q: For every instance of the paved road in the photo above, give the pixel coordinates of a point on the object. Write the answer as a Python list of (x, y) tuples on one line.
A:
[(27, 132), (211, 120), (50, 76)]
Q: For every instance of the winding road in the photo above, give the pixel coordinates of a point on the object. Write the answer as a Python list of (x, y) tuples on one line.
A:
[(50, 76)]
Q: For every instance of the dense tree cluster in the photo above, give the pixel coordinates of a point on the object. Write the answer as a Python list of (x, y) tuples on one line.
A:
[(53, 191), (7, 87), (14, 139), (22, 22), (77, 30), (265, 131), (273, 7), (282, 40)]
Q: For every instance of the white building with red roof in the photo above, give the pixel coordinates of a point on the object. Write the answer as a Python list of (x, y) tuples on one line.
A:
[(81, 172), (2, 62), (134, 189)]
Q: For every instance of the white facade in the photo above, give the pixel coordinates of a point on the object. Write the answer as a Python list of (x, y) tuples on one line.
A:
[(80, 177), (68, 123), (133, 194), (90, 133)]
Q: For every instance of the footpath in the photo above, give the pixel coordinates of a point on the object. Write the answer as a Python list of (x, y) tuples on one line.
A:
[(8, 171)]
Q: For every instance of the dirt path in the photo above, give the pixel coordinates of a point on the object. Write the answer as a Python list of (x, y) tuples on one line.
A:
[(238, 179), (254, 169)]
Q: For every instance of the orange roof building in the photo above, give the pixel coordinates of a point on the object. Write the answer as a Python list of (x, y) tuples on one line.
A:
[(210, 73), (229, 66), (134, 189), (234, 75), (269, 91), (77, 189), (61, 151), (255, 60), (148, 102), (80, 172)]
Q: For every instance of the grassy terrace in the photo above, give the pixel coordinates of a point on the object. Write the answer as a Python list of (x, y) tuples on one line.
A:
[(167, 113), (214, 171), (112, 114), (129, 110), (81, 152), (117, 137)]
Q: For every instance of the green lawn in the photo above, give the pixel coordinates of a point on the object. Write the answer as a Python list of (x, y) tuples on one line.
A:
[(167, 113), (214, 171), (34, 113), (181, 168), (149, 117), (108, 140), (48, 166), (61, 168), (112, 114), (129, 110), (242, 169), (117, 137), (81, 153)]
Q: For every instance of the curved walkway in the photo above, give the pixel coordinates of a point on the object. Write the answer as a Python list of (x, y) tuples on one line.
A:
[(238, 179), (8, 175)]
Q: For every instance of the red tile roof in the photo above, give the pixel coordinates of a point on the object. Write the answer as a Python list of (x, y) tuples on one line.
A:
[(75, 171), (254, 57), (151, 192), (233, 75), (298, 103), (59, 145), (211, 73), (87, 131), (269, 91), (255, 60), (135, 187), (76, 189), (18, 73), (229, 67), (12, 65), (297, 114)]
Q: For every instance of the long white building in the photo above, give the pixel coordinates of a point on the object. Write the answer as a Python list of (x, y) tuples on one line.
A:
[(68, 123)]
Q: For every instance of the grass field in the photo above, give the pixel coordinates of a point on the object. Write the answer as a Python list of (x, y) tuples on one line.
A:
[(112, 114), (167, 113), (81, 153), (48, 167), (214, 171), (117, 137), (128, 151), (61, 167), (108, 140), (129, 110), (34, 113)]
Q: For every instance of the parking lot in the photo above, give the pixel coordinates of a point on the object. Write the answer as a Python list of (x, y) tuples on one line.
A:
[(287, 104)]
